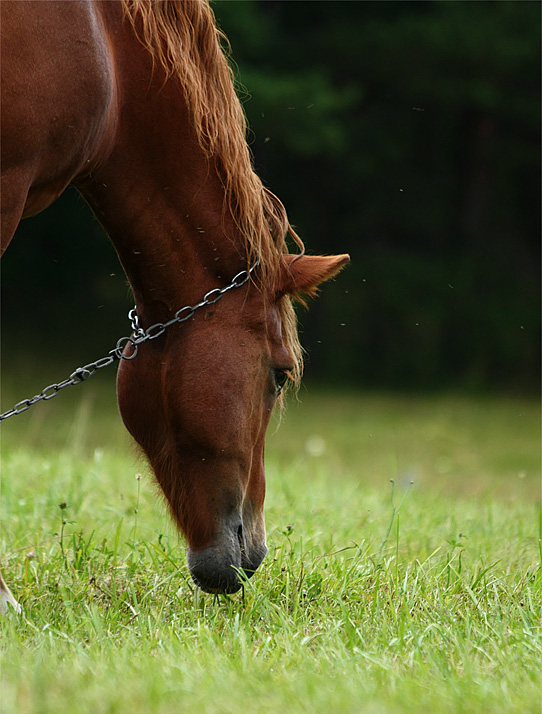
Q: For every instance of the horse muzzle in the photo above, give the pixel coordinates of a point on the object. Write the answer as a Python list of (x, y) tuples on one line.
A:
[(219, 567)]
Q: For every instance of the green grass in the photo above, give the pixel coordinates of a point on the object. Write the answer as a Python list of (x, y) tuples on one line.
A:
[(375, 597)]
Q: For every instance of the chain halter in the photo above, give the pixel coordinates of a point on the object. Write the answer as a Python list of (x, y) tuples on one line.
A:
[(138, 337)]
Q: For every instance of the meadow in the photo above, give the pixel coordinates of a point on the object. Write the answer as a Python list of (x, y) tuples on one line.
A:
[(403, 571)]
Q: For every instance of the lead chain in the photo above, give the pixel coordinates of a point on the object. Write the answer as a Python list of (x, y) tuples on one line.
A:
[(138, 336)]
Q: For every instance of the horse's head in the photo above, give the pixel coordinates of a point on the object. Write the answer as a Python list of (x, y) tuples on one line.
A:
[(199, 404)]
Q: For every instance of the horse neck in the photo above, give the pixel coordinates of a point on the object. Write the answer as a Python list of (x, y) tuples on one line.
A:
[(158, 195), (169, 229)]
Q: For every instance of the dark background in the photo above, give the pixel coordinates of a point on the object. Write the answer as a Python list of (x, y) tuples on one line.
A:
[(404, 133)]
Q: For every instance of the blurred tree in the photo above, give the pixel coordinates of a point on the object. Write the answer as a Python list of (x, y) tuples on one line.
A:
[(406, 133)]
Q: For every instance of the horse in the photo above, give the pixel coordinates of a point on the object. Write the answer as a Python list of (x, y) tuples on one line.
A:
[(133, 102)]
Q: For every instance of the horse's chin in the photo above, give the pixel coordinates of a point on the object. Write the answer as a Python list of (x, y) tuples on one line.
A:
[(222, 568)]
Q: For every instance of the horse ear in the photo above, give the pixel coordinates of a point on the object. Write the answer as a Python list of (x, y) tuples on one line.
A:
[(304, 273)]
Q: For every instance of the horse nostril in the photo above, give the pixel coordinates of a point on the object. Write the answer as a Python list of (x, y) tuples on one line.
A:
[(240, 539)]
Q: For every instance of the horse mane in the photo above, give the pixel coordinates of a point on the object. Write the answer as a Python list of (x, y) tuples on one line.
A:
[(184, 38)]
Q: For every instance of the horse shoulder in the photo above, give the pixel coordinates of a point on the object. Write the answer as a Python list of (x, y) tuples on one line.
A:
[(58, 99)]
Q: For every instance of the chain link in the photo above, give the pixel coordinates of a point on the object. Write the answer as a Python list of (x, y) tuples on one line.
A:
[(138, 337)]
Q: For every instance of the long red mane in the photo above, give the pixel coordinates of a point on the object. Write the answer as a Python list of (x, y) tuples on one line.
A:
[(184, 38)]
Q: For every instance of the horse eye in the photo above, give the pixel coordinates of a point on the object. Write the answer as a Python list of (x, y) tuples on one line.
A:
[(280, 377)]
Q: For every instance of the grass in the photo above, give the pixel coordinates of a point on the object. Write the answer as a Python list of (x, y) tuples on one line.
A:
[(375, 597)]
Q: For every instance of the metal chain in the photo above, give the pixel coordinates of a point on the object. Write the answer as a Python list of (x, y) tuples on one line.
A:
[(138, 337)]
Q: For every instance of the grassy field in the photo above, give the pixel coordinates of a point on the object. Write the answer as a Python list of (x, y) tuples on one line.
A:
[(403, 571)]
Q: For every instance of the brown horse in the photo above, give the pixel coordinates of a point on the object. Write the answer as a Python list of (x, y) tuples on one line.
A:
[(133, 102)]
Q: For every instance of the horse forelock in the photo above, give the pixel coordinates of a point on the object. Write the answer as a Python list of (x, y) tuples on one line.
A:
[(184, 38)]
